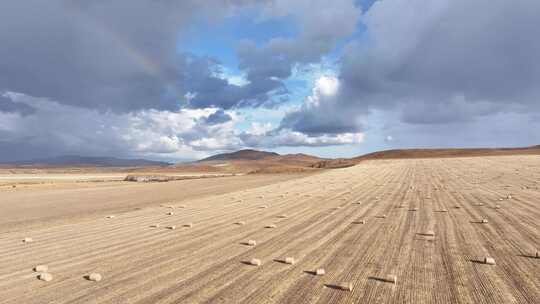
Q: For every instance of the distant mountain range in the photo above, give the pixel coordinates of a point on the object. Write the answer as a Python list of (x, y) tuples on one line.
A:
[(255, 161), (75, 160)]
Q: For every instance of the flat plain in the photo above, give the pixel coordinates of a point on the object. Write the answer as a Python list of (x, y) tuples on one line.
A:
[(362, 225)]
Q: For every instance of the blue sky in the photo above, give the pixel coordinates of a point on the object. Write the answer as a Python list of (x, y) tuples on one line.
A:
[(182, 80), (219, 40)]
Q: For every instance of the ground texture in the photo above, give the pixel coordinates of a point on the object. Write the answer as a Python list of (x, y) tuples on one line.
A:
[(318, 222)]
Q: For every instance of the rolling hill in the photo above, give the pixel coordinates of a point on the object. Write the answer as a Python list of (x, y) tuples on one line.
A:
[(427, 153), (253, 161), (247, 154)]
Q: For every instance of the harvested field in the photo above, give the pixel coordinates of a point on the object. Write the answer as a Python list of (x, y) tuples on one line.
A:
[(22, 207), (383, 260)]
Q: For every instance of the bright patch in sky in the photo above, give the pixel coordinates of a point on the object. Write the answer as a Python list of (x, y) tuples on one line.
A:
[(328, 85)]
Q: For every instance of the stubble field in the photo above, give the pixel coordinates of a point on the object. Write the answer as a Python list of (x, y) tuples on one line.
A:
[(360, 224)]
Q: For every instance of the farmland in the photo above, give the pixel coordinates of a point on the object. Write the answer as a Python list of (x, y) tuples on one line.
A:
[(420, 220)]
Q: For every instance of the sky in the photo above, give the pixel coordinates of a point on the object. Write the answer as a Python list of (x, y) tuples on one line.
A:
[(182, 80)]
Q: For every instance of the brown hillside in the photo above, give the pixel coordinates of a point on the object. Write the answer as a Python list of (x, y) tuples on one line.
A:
[(458, 152), (253, 161), (427, 153)]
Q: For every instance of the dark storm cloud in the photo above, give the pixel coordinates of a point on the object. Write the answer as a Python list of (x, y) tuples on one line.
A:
[(105, 77), (201, 78), (267, 65), (319, 123), (120, 55), (117, 55), (322, 26), (438, 62)]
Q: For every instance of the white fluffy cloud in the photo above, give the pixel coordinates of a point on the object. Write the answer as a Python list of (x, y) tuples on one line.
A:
[(184, 134), (318, 115)]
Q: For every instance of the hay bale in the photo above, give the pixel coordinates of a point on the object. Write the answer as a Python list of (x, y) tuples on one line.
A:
[(110, 216), (45, 276), (382, 216), (443, 210), (154, 225), (489, 261), (282, 216), (171, 227), (457, 207), (320, 272), (347, 286), (255, 262), (390, 279), (95, 277), (170, 213), (537, 254), (429, 233), (263, 207), (484, 221), (182, 206), (27, 240), (251, 243), (41, 268), (270, 226), (240, 223), (188, 225), (497, 207), (414, 209), (289, 260), (361, 222), (509, 196)]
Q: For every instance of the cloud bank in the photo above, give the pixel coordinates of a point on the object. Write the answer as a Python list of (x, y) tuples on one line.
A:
[(113, 78)]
